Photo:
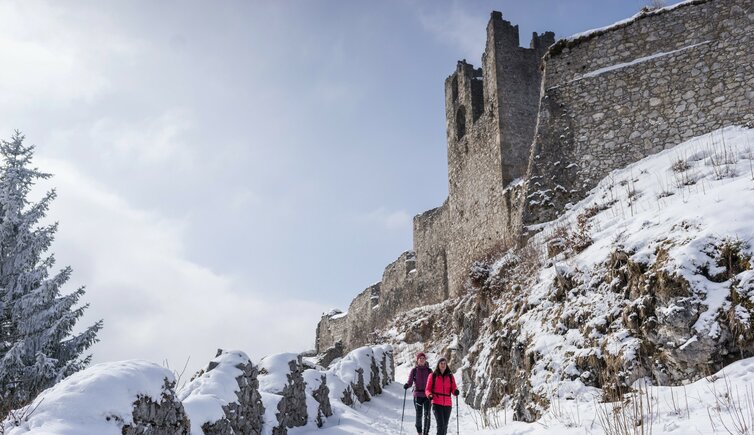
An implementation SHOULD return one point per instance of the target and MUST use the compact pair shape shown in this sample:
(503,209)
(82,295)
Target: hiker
(418,378)
(440,385)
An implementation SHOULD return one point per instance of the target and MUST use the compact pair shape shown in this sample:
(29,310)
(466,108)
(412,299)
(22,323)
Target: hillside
(648,278)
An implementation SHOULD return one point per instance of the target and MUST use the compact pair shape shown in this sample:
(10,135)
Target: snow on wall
(204,397)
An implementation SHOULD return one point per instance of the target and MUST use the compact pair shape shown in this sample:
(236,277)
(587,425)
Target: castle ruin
(534,129)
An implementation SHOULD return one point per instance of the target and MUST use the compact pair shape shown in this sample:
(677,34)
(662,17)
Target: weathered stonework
(322,395)
(491,117)
(615,97)
(534,129)
(166,417)
(245,415)
(291,408)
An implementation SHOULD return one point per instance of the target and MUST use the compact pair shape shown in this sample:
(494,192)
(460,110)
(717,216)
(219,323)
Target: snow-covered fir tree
(37,345)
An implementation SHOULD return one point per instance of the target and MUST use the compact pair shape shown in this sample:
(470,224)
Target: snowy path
(382,415)
(712,405)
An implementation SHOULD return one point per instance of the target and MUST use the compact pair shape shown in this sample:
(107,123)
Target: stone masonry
(613,97)
(534,129)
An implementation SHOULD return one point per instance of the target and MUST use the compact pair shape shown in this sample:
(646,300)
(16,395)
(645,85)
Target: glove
(405,386)
(429,397)
(456,392)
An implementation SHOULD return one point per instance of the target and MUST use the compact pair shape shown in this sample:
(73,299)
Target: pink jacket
(441,388)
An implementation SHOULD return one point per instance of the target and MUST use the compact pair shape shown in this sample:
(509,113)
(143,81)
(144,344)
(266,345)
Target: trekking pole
(458,423)
(403,411)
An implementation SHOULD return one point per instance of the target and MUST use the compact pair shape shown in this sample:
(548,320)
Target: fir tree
(37,345)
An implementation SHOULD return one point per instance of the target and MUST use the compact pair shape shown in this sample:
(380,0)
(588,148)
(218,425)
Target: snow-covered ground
(382,415)
(721,403)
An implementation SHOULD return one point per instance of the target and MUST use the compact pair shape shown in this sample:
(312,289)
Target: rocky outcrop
(316,388)
(281,376)
(362,373)
(228,384)
(651,294)
(331,354)
(158,417)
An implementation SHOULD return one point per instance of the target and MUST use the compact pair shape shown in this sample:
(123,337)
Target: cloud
(157,140)
(49,57)
(158,304)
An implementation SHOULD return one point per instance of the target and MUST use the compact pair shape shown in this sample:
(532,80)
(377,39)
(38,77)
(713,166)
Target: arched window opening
(460,122)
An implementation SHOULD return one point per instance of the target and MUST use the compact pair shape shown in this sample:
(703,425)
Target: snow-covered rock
(281,379)
(317,396)
(224,397)
(115,398)
(228,396)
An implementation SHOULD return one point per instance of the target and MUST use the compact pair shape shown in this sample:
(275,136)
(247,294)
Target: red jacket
(441,388)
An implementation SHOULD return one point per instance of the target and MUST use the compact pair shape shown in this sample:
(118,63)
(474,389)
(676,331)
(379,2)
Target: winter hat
(420,354)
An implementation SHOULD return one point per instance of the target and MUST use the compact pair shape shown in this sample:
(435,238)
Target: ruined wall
(398,289)
(361,316)
(615,96)
(515,72)
(332,327)
(598,102)
(430,245)
(489,141)
(491,118)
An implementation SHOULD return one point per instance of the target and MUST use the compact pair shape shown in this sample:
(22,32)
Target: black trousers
(422,405)
(442,416)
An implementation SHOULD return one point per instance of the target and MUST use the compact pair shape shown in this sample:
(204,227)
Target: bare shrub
(722,158)
(581,239)
(680,165)
(634,415)
(733,410)
(19,416)
(566,416)
(180,382)
(732,256)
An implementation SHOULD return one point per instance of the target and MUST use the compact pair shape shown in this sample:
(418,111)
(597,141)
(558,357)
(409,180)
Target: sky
(228,171)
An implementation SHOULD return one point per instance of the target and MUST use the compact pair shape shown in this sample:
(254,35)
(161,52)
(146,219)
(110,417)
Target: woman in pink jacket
(440,385)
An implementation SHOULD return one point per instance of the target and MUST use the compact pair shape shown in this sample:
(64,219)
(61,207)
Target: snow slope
(654,278)
(92,402)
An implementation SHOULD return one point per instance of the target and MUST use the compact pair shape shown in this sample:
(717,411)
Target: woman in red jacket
(440,385)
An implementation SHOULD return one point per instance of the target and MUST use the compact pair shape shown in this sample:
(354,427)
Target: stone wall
(489,145)
(430,245)
(398,288)
(615,96)
(332,328)
(527,136)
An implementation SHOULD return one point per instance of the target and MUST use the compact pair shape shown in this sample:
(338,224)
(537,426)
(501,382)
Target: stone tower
(491,115)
